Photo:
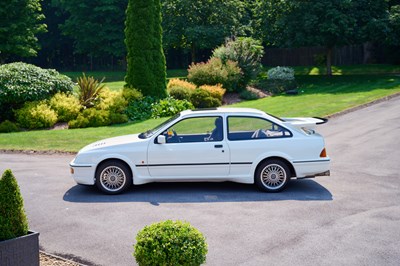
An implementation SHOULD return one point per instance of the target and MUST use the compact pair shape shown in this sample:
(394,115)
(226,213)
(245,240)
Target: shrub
(140,109)
(203,99)
(131,94)
(180,93)
(180,83)
(216,91)
(91,117)
(215,72)
(13,221)
(67,106)
(89,90)
(280,79)
(180,89)
(35,115)
(20,83)
(113,101)
(247,52)
(169,107)
(281,73)
(248,95)
(7,127)
(170,243)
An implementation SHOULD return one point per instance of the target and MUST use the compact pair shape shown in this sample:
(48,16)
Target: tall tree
(20,23)
(143,37)
(325,23)
(394,23)
(97,27)
(201,24)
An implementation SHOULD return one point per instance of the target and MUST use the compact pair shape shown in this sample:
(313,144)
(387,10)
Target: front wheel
(113,177)
(272,176)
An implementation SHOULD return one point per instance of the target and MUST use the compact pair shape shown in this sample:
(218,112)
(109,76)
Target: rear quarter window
(252,128)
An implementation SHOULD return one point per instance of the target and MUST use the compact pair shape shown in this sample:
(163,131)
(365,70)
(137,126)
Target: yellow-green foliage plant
(180,83)
(67,106)
(13,221)
(180,89)
(36,115)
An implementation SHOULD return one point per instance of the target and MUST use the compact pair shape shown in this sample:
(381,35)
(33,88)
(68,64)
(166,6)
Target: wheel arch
(287,162)
(131,172)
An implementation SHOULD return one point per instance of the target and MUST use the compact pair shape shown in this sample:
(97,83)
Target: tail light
(323,153)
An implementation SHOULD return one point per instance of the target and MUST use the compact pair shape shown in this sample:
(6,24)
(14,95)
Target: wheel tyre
(113,177)
(272,176)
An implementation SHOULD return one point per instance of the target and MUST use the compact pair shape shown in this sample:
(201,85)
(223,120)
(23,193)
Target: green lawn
(347,70)
(319,96)
(322,96)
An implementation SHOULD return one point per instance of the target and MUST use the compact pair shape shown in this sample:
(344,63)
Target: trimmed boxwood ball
(170,243)
(13,221)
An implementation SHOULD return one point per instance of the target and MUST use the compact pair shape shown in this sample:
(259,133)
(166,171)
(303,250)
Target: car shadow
(156,193)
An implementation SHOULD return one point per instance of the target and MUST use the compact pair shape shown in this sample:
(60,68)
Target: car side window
(247,128)
(196,129)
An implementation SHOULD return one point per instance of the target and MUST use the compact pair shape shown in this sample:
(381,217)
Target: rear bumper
(305,169)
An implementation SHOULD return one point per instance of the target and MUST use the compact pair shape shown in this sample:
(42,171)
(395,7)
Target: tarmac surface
(349,218)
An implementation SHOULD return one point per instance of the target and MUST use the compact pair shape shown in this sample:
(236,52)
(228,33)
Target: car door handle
(218,146)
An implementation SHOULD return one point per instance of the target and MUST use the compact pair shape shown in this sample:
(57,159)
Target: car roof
(224,110)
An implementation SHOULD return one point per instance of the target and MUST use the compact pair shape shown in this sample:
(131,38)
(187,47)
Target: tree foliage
(20,23)
(201,24)
(324,23)
(97,27)
(143,37)
(394,24)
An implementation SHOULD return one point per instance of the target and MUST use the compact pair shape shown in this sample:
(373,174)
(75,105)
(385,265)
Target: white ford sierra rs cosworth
(223,144)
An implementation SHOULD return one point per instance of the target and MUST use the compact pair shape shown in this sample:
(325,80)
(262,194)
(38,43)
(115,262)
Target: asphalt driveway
(350,218)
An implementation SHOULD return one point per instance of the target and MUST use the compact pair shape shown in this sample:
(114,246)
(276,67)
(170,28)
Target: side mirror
(161,139)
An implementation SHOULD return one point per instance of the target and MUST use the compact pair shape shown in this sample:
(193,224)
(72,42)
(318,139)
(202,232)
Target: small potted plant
(18,245)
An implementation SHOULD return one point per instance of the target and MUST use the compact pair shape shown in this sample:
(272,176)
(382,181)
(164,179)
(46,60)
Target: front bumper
(83,173)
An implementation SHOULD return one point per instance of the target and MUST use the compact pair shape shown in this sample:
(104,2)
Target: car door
(193,149)
(251,137)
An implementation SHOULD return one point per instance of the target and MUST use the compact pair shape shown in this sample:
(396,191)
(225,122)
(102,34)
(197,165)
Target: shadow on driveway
(156,193)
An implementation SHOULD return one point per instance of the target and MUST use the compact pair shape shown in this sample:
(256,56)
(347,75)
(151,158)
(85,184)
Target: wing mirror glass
(161,139)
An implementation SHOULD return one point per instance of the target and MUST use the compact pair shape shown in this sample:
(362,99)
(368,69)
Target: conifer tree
(13,221)
(143,38)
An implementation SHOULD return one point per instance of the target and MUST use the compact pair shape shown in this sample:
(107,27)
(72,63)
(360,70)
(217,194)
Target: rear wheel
(113,177)
(272,175)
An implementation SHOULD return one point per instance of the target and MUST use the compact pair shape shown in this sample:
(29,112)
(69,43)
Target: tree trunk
(329,61)
(193,51)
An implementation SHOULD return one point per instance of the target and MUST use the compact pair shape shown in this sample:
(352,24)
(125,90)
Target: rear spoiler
(304,122)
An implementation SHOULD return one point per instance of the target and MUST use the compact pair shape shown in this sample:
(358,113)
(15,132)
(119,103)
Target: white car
(222,144)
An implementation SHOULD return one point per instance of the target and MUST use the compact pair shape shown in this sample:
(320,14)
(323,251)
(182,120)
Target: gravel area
(50,260)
